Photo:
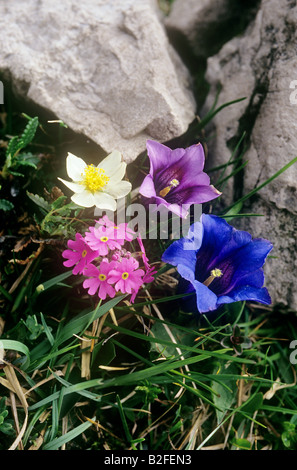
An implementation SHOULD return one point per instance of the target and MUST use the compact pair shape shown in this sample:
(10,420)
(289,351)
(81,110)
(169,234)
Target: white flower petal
(84,199)
(111,163)
(118,173)
(75,187)
(105,201)
(75,166)
(118,190)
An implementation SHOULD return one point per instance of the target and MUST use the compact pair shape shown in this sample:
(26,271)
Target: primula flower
(98,280)
(149,270)
(97,185)
(176,179)
(121,231)
(102,239)
(108,266)
(220,264)
(79,254)
(126,276)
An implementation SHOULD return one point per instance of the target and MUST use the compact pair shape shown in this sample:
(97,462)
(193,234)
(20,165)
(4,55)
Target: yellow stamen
(173,183)
(104,239)
(84,253)
(102,277)
(213,274)
(125,275)
(94,179)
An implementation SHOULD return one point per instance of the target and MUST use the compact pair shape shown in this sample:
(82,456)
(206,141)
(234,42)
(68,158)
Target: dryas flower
(98,185)
(219,264)
(176,178)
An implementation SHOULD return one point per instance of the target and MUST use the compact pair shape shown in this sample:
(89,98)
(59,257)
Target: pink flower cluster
(108,267)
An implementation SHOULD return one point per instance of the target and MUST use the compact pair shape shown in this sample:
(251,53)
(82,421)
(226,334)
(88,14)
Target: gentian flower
(220,264)
(98,280)
(79,254)
(97,185)
(176,178)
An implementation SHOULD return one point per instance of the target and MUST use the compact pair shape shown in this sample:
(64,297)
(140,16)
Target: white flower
(97,186)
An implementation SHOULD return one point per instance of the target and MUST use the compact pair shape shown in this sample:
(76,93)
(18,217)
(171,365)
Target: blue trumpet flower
(220,264)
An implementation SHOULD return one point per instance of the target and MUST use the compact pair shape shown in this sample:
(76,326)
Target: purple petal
(147,188)
(161,156)
(193,195)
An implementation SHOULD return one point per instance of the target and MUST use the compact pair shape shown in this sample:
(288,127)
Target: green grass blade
(69,436)
(255,190)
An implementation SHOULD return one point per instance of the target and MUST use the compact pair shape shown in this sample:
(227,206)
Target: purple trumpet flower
(176,178)
(219,264)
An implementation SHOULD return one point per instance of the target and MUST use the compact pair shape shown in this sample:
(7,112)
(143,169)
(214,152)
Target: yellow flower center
(94,179)
(84,253)
(104,239)
(125,275)
(173,184)
(213,274)
(102,277)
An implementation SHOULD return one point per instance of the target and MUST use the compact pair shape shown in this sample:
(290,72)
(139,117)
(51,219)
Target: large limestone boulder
(259,64)
(105,68)
(207,24)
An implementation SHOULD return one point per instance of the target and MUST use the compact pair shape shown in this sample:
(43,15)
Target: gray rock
(207,24)
(104,67)
(260,65)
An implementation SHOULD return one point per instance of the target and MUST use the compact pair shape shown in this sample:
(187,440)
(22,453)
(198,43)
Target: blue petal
(221,239)
(176,255)
(253,279)
(251,257)
(246,293)
(206,300)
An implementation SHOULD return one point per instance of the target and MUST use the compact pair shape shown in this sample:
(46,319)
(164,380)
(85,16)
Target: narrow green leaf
(9,344)
(255,190)
(69,436)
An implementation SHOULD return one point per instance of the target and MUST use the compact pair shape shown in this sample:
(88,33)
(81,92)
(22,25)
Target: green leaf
(58,202)
(6,205)
(40,201)
(242,444)
(11,150)
(225,391)
(29,133)
(8,344)
(69,436)
(253,404)
(27,159)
